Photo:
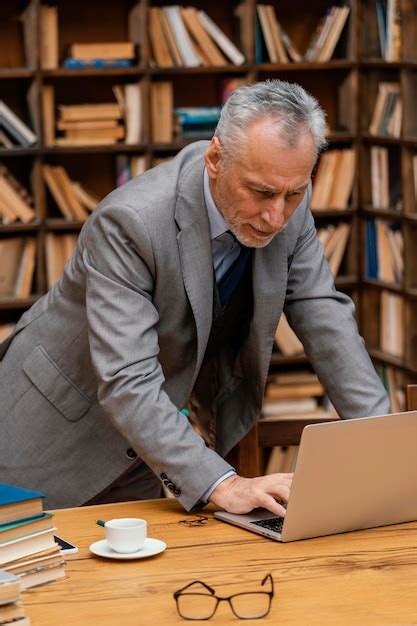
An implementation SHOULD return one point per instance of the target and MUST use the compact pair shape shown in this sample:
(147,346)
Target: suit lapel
(195,251)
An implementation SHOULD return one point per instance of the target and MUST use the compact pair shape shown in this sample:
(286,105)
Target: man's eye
(264,193)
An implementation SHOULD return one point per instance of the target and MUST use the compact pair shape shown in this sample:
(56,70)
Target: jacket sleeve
(123,337)
(323,320)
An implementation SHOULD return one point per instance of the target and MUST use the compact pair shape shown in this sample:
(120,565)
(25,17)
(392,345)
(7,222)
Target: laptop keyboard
(274,523)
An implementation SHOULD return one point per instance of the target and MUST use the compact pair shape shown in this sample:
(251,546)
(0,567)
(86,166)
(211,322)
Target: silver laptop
(350,475)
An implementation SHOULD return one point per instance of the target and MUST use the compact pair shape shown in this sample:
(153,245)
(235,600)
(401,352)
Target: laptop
(350,475)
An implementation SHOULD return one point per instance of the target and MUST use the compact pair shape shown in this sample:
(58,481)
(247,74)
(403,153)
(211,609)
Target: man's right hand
(241,495)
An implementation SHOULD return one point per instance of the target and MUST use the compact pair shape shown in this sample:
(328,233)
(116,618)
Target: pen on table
(100,522)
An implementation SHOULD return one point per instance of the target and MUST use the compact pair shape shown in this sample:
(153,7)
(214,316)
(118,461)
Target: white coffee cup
(126,534)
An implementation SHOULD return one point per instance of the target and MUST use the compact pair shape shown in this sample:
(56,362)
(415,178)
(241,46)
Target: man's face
(260,187)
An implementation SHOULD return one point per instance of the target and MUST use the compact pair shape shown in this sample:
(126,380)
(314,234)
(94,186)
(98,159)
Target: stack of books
(188,37)
(88,124)
(27,544)
(12,130)
(100,55)
(72,199)
(16,203)
(196,122)
(11,608)
(17,265)
(94,124)
(290,396)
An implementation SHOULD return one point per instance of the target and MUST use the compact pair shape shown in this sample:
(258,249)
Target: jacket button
(131,454)
(164,476)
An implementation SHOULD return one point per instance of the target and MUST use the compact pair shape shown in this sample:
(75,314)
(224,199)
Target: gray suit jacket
(105,360)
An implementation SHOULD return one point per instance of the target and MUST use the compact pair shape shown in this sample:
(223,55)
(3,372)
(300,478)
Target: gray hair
(290,107)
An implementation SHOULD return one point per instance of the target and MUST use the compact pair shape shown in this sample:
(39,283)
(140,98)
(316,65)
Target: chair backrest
(411,397)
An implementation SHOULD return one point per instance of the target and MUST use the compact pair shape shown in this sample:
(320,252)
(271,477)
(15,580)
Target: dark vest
(229,329)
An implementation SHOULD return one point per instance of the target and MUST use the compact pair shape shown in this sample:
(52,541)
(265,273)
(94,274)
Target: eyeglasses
(202,604)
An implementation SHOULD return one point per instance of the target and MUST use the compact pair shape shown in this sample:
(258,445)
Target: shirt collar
(218,225)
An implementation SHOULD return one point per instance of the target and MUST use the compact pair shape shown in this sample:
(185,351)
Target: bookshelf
(346,85)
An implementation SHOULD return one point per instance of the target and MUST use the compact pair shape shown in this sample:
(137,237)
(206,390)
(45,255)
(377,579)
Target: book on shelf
(286,339)
(334,240)
(62,190)
(333,181)
(188,53)
(393,40)
(161,110)
(89,111)
(28,549)
(48,40)
(392,379)
(225,44)
(196,122)
(211,53)
(106,50)
(129,99)
(386,116)
(392,324)
(5,331)
(16,203)
(15,128)
(48,114)
(59,249)
(127,167)
(17,264)
(29,21)
(414,165)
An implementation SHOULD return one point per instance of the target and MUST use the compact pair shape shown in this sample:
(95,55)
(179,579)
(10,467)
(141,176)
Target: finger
(269,503)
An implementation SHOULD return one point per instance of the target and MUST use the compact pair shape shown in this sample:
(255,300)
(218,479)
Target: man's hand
(242,495)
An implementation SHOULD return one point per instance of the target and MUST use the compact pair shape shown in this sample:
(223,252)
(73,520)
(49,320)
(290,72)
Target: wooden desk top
(365,577)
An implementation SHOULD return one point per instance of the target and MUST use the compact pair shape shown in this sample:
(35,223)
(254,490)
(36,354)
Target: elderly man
(171,300)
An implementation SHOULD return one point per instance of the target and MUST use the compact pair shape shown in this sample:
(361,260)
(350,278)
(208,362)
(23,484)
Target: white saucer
(150,548)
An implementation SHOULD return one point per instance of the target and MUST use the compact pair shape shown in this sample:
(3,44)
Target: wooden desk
(366,577)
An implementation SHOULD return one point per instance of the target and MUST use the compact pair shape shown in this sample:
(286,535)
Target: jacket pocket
(51,381)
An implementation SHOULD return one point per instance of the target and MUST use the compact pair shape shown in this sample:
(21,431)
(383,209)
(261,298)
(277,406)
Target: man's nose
(274,215)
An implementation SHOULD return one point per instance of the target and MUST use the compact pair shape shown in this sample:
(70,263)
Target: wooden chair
(411,398)
(246,456)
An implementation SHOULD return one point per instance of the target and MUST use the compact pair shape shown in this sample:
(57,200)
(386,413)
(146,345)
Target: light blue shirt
(225,250)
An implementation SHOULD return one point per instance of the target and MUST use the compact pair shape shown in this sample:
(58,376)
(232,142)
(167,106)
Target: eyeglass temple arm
(195,582)
(272,581)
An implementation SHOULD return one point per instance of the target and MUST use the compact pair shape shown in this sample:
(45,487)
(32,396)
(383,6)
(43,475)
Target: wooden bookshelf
(346,86)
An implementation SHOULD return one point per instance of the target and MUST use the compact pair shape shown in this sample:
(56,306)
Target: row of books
(334,240)
(71,198)
(333,180)
(280,48)
(188,37)
(16,203)
(13,131)
(385,178)
(384,251)
(292,395)
(12,610)
(27,543)
(387,113)
(392,323)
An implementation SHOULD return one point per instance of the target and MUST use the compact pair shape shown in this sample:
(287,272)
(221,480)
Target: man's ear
(212,158)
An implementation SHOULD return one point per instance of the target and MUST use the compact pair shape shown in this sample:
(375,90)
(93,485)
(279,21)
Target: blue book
(371,251)
(17,503)
(80,64)
(197,115)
